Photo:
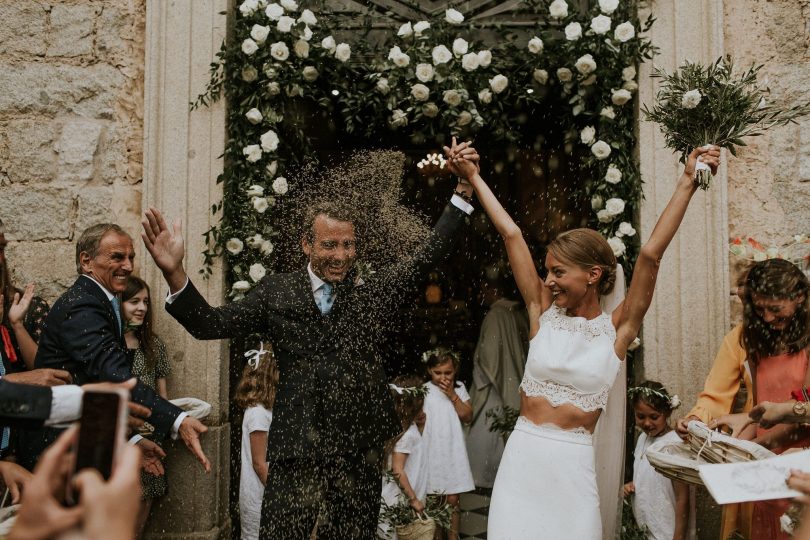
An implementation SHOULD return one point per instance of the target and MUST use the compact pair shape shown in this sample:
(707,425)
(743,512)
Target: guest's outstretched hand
(800,481)
(709,154)
(14,478)
(768,414)
(165,246)
(153,454)
(40,377)
(19,305)
(736,422)
(190,431)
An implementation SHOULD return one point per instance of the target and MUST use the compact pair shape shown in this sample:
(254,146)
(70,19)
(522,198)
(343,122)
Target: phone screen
(97,432)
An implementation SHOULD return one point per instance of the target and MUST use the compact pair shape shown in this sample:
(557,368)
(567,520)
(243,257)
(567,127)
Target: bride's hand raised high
(462,160)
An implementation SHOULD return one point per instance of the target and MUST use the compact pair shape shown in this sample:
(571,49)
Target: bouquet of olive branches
(700,105)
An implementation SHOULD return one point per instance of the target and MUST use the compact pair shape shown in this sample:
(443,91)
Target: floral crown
(441,351)
(413,391)
(646,392)
(751,250)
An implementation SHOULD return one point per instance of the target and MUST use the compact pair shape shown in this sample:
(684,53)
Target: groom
(333,410)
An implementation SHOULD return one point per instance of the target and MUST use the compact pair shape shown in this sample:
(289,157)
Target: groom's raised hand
(166,247)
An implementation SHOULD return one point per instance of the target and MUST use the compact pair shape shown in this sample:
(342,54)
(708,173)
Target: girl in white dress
(255,393)
(447,405)
(546,483)
(659,504)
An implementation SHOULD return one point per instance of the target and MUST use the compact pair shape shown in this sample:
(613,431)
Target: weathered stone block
(71,30)
(29,155)
(50,265)
(77,149)
(94,206)
(35,214)
(23,29)
(113,33)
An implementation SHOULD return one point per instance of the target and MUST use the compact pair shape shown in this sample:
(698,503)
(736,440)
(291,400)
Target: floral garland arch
(429,79)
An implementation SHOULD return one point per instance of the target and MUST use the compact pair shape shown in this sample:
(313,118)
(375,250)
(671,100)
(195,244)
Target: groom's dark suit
(333,409)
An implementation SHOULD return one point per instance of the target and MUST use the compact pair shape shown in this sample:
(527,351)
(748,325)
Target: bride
(546,483)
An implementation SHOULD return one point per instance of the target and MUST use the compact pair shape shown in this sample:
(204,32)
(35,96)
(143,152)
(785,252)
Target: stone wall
(71,128)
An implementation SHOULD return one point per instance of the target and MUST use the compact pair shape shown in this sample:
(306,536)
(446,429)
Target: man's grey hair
(330,209)
(90,240)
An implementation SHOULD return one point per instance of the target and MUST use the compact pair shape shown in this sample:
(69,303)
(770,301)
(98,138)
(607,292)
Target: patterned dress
(153,486)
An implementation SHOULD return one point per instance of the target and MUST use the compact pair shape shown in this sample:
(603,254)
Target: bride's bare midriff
(539,411)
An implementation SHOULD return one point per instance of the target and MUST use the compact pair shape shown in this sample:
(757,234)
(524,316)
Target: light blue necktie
(4,437)
(326,299)
(117,309)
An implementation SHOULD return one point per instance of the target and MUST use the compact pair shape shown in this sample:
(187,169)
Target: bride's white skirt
(545,487)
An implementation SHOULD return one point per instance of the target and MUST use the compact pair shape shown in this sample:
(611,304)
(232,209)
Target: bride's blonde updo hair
(587,248)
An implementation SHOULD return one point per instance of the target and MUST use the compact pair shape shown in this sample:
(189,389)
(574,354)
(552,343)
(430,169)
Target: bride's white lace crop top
(572,360)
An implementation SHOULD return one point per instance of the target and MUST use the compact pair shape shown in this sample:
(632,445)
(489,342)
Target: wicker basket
(675,460)
(421,528)
(715,447)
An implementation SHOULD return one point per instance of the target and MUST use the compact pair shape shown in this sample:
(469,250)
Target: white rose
(424,72)
(289,5)
(451,97)
(405,30)
(234,246)
(266,248)
(608,112)
(301,49)
(629,73)
(589,80)
(343,52)
(280,185)
(402,60)
(273,89)
(248,7)
(460,46)
(484,58)
(249,74)
(420,27)
(558,9)
(485,96)
(498,83)
(259,33)
(625,229)
(329,44)
(535,45)
(470,61)
(613,175)
(430,110)
(249,47)
(464,118)
(253,152)
(382,86)
(285,24)
(274,11)
(307,35)
(254,191)
(585,64)
(617,246)
(691,99)
(600,149)
(254,116)
(630,86)
(271,168)
(453,17)
(441,55)
(573,31)
(577,109)
(310,74)
(399,118)
(308,18)
(600,24)
(269,141)
(420,92)
(597,202)
(255,241)
(260,204)
(587,135)
(615,206)
(564,74)
(624,32)
(540,75)
(608,6)
(620,97)
(257,272)
(279,51)
(604,216)
(240,286)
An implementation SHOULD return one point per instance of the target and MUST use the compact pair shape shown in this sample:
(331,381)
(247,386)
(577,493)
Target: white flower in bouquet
(308,18)
(464,118)
(573,31)
(285,24)
(558,9)
(248,7)
(279,51)
(540,75)
(608,6)
(257,271)
(608,112)
(424,72)
(252,152)
(601,24)
(577,109)
(274,11)
(240,286)
(498,83)
(269,141)
(691,99)
(600,149)
(405,30)
(328,43)
(273,89)
(629,73)
(382,86)
(249,74)
(485,96)
(470,61)
(484,58)
(624,32)
(254,116)
(430,109)
(617,246)
(620,96)
(564,74)
(441,55)
(310,74)
(588,81)
(399,58)
(587,135)
(398,118)
(255,241)
(234,246)
(630,86)
(301,49)
(613,175)
(604,216)
(259,33)
(615,206)
(460,46)
(249,47)
(266,248)
(420,92)
(625,229)
(280,185)
(585,64)
(674,400)
(597,202)
(289,5)
(452,98)
(260,204)
(535,45)
(254,191)
(420,27)
(307,35)
(453,17)
(343,52)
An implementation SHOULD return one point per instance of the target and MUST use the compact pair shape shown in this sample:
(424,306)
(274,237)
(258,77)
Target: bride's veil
(610,433)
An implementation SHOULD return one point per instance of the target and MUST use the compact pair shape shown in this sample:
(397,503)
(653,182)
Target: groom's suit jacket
(332,396)
(23,405)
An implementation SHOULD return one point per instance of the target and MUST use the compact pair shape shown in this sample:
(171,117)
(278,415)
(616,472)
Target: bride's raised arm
(627,319)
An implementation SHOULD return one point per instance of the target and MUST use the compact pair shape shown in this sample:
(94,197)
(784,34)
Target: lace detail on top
(558,394)
(556,319)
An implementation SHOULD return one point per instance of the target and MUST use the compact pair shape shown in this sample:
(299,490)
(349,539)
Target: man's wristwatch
(800,409)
